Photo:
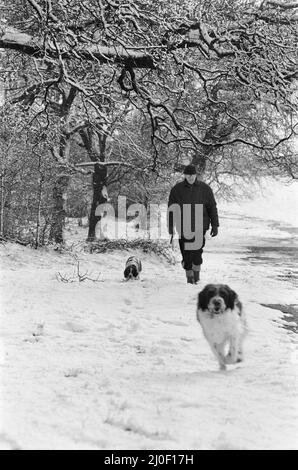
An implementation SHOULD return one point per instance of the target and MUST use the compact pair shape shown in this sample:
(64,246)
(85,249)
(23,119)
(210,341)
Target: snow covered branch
(110,163)
(20,42)
(282,5)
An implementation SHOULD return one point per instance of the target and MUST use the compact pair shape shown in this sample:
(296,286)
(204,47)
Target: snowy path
(125,366)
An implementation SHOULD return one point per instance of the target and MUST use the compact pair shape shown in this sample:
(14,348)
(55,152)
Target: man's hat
(190,170)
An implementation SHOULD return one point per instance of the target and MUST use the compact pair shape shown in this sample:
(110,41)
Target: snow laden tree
(216,80)
(25,183)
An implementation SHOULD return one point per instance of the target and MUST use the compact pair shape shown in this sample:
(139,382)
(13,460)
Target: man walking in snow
(197,209)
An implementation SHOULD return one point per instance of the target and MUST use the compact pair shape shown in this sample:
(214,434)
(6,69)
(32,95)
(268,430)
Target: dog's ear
(240,308)
(134,271)
(203,299)
(126,271)
(232,296)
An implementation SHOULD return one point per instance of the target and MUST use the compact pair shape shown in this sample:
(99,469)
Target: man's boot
(189,276)
(196,272)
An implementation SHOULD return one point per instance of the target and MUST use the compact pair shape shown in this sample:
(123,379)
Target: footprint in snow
(176,323)
(125,310)
(184,338)
(35,338)
(140,349)
(74,327)
(73,373)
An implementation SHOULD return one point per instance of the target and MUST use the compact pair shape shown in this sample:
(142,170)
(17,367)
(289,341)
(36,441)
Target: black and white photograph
(148,227)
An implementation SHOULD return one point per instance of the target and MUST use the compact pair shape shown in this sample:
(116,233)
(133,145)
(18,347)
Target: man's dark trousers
(191,257)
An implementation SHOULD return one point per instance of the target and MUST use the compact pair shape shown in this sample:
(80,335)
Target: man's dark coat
(197,193)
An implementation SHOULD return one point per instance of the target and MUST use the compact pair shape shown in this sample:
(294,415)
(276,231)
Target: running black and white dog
(133,267)
(222,318)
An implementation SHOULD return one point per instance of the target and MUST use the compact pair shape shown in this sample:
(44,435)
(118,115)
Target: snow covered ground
(115,365)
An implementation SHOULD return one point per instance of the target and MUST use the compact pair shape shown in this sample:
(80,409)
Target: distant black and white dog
(133,267)
(222,318)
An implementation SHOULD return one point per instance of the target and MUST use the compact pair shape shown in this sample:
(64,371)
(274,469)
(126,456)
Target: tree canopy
(208,74)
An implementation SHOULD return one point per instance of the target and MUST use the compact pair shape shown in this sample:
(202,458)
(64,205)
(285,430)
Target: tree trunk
(95,144)
(37,236)
(202,155)
(59,209)
(200,159)
(98,182)
(38,217)
(2,206)
(61,154)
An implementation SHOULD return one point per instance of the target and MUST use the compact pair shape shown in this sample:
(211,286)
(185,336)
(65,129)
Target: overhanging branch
(111,163)
(25,44)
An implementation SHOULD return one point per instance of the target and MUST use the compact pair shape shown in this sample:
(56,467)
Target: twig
(78,276)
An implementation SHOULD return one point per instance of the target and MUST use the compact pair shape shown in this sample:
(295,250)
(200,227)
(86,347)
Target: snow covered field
(115,365)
